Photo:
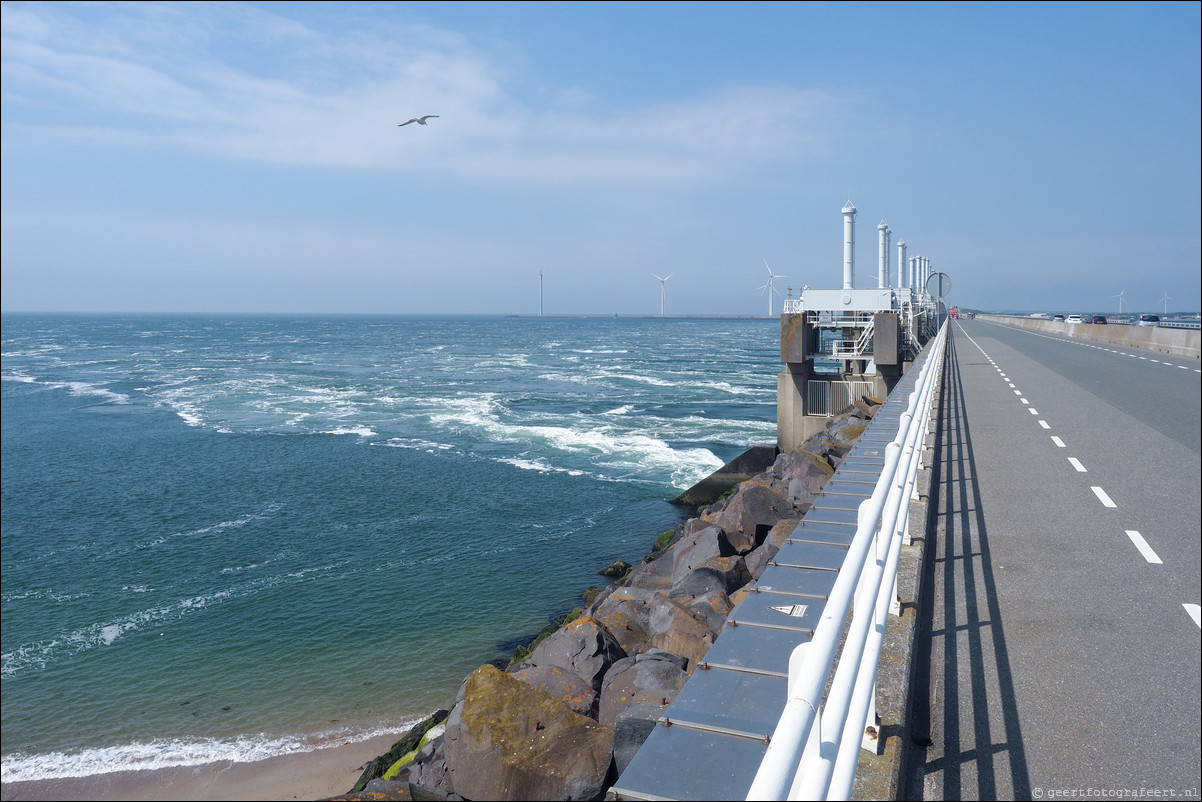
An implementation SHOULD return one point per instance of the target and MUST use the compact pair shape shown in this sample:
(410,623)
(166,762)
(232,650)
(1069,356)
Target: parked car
(1073,319)
(1148,320)
(1097,319)
(1059,318)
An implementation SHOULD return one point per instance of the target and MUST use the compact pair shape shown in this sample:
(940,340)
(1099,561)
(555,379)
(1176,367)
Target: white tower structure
(849,246)
(883,232)
(901,263)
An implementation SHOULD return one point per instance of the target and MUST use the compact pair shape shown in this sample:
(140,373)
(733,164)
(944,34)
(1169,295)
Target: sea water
(239,537)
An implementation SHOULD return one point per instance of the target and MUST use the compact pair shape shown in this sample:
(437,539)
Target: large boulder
(623,619)
(632,727)
(564,685)
(693,549)
(807,474)
(675,628)
(583,647)
(714,607)
(763,554)
(650,574)
(402,750)
(749,514)
(508,740)
(716,574)
(655,675)
(636,692)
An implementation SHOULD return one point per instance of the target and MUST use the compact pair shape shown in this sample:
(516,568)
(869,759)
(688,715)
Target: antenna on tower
(663,291)
(768,288)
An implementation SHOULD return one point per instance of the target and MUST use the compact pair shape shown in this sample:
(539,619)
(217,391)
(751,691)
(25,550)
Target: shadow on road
(966,743)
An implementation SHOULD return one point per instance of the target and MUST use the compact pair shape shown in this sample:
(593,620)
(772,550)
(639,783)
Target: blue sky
(246,157)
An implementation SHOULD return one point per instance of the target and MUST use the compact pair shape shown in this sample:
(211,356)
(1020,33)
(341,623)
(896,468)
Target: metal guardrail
(814,748)
(825,397)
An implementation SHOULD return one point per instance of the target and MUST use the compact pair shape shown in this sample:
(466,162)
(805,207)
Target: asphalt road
(1060,648)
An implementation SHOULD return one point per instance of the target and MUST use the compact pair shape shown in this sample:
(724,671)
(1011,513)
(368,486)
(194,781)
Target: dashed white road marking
(1105,499)
(1076,463)
(1032,410)
(1017,392)
(1044,424)
(1059,443)
(1025,401)
(1195,612)
(1143,547)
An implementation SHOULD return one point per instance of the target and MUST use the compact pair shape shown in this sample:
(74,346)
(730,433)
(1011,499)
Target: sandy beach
(320,774)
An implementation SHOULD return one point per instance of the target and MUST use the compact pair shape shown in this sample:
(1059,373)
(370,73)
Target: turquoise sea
(238,537)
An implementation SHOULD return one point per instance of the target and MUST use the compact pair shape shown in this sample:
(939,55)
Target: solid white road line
(1143,547)
(1105,499)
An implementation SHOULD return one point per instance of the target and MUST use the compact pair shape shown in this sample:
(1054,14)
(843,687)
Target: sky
(249,158)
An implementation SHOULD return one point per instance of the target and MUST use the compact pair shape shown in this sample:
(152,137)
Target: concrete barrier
(1176,342)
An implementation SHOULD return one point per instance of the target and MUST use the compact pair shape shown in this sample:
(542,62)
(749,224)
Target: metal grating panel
(783,579)
(823,533)
(776,611)
(687,764)
(735,702)
(752,648)
(811,555)
(831,515)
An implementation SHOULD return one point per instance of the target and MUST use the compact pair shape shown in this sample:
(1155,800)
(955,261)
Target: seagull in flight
(418,120)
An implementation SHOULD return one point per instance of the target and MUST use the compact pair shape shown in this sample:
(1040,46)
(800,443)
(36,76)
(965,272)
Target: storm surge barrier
(762,717)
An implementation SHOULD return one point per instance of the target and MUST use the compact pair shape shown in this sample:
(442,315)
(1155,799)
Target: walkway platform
(710,741)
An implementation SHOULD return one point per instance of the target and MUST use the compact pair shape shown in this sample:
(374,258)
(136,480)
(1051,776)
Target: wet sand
(320,774)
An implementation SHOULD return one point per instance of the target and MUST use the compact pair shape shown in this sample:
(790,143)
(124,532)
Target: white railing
(814,748)
(854,349)
(826,397)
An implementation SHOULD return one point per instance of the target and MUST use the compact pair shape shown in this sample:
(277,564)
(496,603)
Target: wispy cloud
(173,76)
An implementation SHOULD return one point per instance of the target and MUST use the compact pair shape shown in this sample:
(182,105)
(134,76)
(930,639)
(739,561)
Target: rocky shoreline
(564,718)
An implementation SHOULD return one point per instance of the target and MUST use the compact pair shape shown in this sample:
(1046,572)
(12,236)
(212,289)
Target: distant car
(1097,319)
(1058,317)
(1073,319)
(1148,320)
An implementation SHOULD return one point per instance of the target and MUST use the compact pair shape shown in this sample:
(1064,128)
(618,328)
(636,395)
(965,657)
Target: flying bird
(418,120)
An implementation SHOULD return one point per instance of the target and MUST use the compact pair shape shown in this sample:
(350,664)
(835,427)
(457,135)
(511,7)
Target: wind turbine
(768,288)
(1166,300)
(663,291)
(1120,297)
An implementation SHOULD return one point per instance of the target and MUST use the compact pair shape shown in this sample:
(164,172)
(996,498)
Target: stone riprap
(562,722)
